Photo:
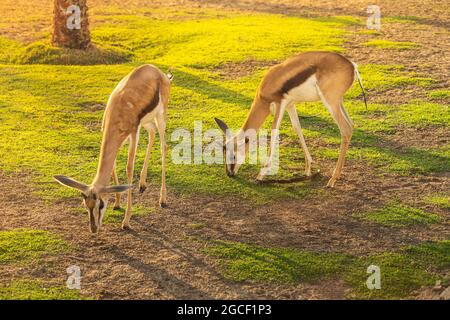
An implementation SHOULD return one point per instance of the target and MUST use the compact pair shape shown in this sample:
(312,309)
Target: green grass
(23,246)
(382,77)
(434,255)
(399,215)
(242,262)
(400,276)
(37,290)
(116,216)
(199,43)
(403,19)
(439,94)
(196,226)
(386,44)
(56,110)
(402,272)
(51,110)
(441,201)
(43,53)
(57,107)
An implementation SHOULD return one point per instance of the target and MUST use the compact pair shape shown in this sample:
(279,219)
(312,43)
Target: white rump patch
(148,121)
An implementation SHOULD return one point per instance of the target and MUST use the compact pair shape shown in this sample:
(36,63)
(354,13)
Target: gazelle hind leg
(144,172)
(161,125)
(116,182)
(340,116)
(134,137)
(347,117)
(292,111)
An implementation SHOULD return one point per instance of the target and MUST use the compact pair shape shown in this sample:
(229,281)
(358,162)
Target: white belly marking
(306,92)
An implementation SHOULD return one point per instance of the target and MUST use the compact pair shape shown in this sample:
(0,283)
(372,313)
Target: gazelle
(307,77)
(140,99)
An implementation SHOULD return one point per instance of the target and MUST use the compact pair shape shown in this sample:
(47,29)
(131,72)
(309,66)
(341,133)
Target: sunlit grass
(401,272)
(441,200)
(19,246)
(398,215)
(52,123)
(439,94)
(386,44)
(25,289)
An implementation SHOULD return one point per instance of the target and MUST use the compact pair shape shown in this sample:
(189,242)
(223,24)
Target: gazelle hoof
(126,226)
(142,188)
(116,208)
(163,204)
(331,183)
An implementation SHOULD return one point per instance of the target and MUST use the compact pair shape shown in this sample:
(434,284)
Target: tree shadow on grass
(171,285)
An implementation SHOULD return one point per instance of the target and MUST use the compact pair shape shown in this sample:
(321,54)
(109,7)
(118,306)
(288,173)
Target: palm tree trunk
(71,24)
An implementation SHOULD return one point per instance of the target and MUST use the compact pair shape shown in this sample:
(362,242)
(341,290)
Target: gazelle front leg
(161,125)
(292,111)
(143,177)
(130,168)
(279,112)
(116,182)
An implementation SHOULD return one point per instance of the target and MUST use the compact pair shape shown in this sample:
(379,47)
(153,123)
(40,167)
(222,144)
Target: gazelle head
(92,199)
(234,149)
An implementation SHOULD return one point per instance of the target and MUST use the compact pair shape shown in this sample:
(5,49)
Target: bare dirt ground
(160,258)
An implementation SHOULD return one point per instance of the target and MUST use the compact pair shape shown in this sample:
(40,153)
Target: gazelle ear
(222,125)
(114,189)
(69,182)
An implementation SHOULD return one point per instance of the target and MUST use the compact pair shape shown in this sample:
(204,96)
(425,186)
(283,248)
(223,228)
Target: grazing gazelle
(140,99)
(307,77)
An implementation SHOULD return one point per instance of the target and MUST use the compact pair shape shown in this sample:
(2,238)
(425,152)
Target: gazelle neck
(108,153)
(258,113)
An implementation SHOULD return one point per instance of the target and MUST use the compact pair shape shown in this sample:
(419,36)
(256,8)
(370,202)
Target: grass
(400,276)
(24,246)
(36,290)
(242,262)
(439,94)
(442,201)
(404,19)
(52,100)
(386,44)
(44,53)
(66,138)
(398,215)
(58,108)
(383,77)
(402,272)
(196,226)
(116,216)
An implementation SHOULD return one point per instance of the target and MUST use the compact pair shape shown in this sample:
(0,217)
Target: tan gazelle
(139,100)
(307,77)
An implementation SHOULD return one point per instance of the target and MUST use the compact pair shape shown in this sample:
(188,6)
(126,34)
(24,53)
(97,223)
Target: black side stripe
(151,105)
(298,79)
